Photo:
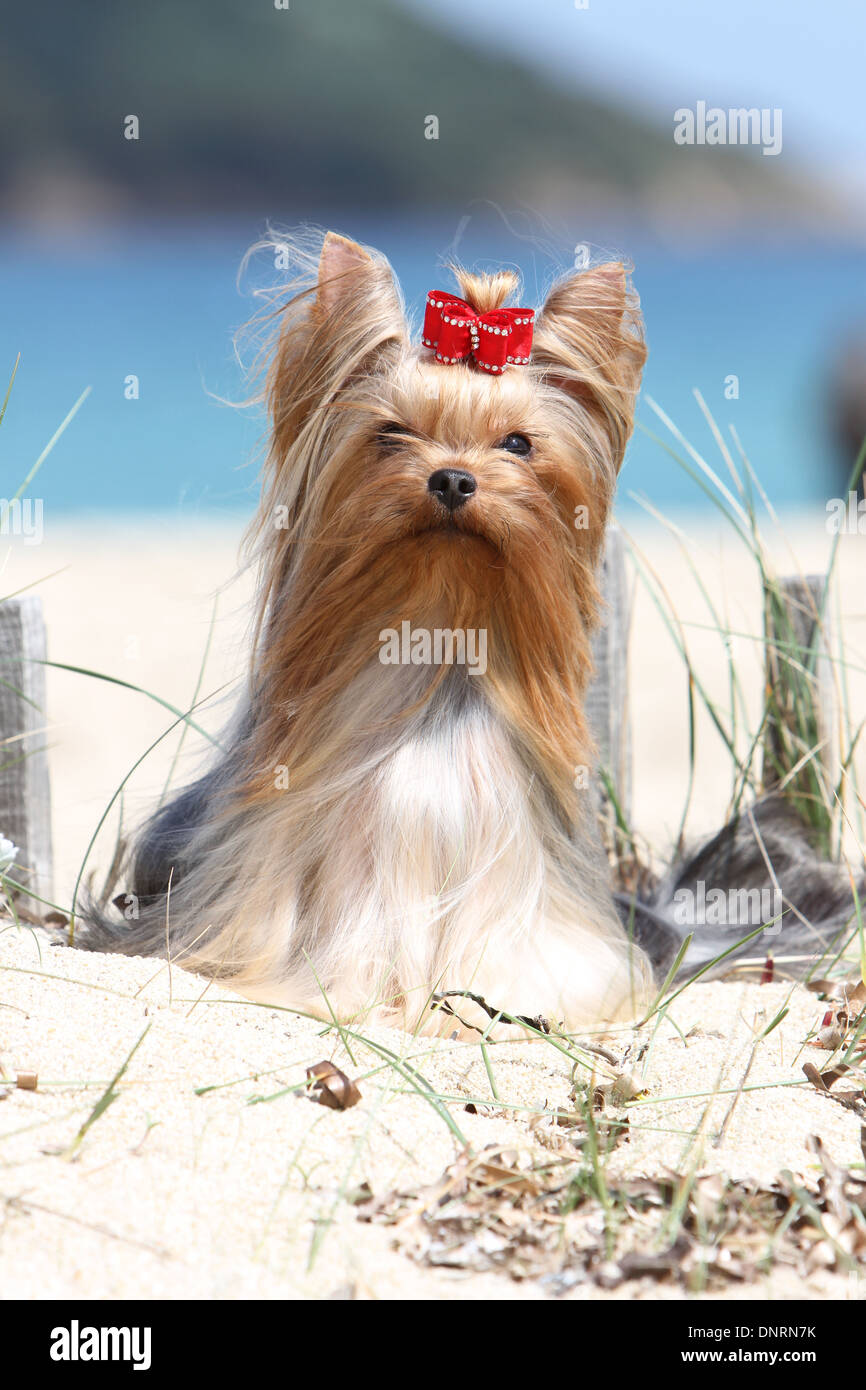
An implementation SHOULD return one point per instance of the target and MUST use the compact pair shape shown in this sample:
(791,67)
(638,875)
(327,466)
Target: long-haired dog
(383,828)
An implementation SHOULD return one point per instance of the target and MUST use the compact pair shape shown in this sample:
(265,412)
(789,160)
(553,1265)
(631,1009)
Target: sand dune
(184,1189)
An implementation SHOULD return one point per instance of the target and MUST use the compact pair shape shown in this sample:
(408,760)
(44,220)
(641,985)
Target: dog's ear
(343,265)
(349,322)
(358,313)
(588,338)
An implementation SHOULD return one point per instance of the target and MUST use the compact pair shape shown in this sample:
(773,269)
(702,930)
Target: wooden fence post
(793,630)
(25,799)
(607,699)
(800,697)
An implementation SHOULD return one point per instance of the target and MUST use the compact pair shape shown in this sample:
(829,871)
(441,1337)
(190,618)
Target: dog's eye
(385,435)
(516,444)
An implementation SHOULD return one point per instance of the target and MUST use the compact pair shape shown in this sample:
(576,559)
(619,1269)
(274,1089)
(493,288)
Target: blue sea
(161,304)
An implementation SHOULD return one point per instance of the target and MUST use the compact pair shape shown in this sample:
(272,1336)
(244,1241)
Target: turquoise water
(163,305)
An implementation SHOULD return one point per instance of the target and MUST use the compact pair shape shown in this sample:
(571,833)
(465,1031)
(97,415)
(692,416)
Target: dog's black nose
(452,486)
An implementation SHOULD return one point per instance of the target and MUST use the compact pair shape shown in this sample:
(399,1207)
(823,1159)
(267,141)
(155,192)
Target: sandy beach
(209,1178)
(184,1188)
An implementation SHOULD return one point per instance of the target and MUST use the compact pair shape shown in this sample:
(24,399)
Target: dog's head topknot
(485,291)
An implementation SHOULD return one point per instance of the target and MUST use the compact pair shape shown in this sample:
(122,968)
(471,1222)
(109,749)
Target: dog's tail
(165,855)
(159,862)
(754,898)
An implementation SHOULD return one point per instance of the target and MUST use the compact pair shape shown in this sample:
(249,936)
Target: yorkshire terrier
(387,827)
(390,824)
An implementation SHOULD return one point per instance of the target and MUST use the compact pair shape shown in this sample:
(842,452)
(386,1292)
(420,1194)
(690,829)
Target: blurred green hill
(245,107)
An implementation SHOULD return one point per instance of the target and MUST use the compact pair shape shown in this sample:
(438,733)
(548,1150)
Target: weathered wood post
(25,800)
(607,700)
(800,699)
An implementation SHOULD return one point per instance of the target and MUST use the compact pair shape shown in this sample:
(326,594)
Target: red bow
(455,330)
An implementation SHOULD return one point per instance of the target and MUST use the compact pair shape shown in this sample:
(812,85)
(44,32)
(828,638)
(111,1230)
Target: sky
(803,56)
